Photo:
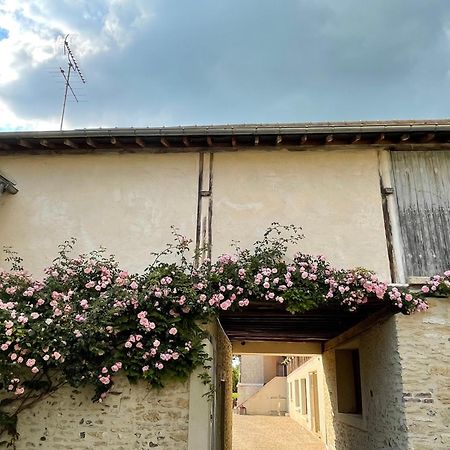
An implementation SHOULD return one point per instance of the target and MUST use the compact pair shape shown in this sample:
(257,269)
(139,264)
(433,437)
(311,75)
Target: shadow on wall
(364,379)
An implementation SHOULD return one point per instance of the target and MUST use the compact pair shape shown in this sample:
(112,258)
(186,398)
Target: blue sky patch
(3,33)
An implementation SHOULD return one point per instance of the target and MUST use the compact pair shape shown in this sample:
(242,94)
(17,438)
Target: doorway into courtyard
(281,371)
(276,402)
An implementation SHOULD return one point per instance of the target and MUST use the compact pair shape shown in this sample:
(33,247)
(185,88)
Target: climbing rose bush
(438,284)
(89,320)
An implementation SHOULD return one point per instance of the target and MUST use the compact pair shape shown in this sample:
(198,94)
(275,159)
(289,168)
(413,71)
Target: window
(348,379)
(297,394)
(304,396)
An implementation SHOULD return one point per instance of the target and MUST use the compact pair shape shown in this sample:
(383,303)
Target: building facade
(374,195)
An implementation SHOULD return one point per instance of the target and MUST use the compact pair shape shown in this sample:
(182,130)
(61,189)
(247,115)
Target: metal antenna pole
(72,65)
(65,94)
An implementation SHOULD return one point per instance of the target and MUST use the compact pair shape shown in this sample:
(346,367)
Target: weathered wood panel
(422,187)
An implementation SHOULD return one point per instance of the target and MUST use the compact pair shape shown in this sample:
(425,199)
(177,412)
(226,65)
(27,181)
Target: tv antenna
(72,66)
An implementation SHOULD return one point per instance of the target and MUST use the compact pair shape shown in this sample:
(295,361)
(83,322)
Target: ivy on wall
(89,320)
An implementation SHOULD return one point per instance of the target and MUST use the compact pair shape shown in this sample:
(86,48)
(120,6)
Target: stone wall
(424,346)
(224,387)
(132,417)
(382,424)
(405,378)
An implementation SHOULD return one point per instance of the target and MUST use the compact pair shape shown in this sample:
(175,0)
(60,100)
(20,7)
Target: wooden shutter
(422,188)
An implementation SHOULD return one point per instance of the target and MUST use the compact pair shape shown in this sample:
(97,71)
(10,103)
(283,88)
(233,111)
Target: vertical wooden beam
(203,241)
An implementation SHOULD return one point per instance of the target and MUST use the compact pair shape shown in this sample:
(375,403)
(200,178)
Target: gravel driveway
(272,433)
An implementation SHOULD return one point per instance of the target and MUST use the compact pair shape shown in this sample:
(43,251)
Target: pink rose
(173,331)
(104,380)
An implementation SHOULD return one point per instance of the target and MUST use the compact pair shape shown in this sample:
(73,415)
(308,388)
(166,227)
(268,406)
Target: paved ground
(272,433)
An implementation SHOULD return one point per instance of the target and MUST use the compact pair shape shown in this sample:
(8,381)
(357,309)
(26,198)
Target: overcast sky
(180,62)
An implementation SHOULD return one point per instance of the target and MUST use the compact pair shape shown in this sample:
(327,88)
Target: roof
(391,134)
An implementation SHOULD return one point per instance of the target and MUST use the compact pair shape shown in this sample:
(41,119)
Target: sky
(170,62)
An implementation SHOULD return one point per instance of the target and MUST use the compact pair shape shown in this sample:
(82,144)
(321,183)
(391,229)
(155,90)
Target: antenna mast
(72,66)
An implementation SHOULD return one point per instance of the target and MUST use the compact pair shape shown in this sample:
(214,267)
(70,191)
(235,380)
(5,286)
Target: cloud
(155,62)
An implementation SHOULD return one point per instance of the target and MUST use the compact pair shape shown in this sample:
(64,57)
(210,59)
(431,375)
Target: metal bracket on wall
(7,186)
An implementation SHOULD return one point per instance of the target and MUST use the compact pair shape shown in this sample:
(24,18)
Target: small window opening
(348,378)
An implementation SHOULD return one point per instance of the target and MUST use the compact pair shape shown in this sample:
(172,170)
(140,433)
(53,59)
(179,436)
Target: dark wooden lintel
(359,328)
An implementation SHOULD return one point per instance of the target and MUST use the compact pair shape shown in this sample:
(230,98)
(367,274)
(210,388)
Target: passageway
(272,433)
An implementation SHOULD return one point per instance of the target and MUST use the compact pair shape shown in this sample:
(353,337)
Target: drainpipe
(7,186)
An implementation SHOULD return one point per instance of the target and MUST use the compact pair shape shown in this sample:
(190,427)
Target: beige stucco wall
(251,376)
(315,364)
(270,400)
(333,195)
(125,202)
